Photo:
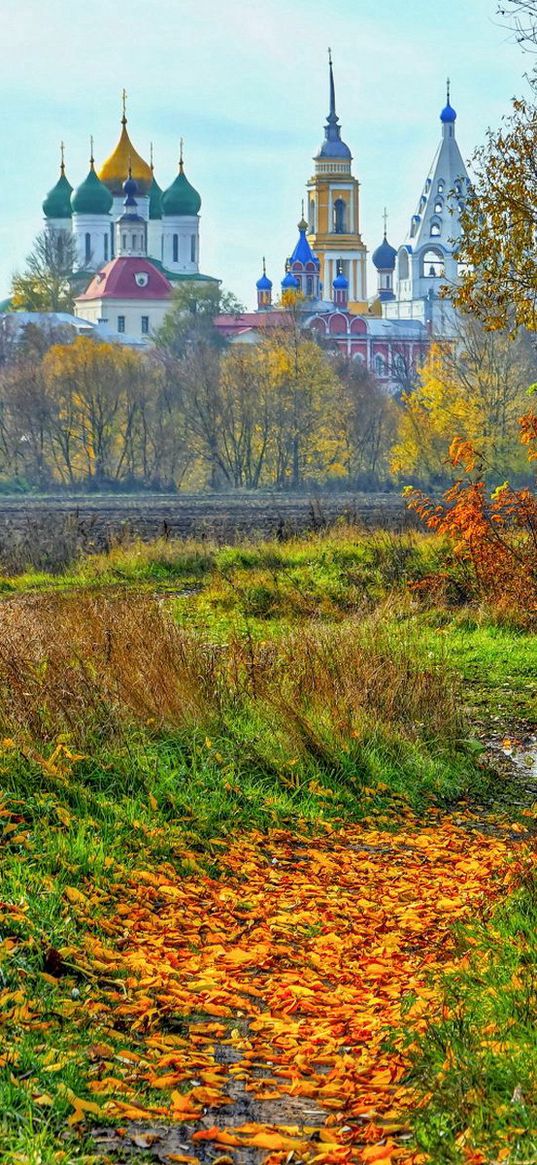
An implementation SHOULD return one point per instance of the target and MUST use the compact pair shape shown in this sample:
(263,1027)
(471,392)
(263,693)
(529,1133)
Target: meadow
(192,737)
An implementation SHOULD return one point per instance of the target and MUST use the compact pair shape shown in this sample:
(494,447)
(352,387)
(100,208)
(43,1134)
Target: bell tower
(334,212)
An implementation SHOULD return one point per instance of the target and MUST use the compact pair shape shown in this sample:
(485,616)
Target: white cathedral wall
(107,313)
(97,226)
(154,239)
(185,227)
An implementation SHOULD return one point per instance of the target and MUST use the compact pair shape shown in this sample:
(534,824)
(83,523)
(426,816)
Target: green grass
(278,737)
(478,1065)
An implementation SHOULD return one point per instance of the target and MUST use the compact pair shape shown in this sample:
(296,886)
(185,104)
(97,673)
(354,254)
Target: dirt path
(266,1006)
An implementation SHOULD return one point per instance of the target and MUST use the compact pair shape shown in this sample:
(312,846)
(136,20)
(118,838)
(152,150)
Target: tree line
(195,412)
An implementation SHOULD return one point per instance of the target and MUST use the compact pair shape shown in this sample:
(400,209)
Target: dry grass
(89,662)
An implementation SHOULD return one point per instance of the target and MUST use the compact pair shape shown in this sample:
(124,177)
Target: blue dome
(340,283)
(384,257)
(290,281)
(264,284)
(448,114)
(130,186)
(334,148)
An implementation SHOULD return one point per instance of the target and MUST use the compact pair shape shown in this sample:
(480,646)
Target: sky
(246,84)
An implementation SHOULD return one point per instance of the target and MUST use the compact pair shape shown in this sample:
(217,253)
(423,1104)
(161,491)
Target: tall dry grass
(87,663)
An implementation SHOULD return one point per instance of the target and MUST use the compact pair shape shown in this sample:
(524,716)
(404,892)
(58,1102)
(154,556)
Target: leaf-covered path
(269,1005)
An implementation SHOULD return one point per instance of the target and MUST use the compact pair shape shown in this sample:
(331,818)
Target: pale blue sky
(245,83)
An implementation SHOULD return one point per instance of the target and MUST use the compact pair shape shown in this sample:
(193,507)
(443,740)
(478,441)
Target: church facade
(133,240)
(390,331)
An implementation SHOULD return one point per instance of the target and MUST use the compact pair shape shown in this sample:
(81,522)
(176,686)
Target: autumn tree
(370,422)
(94,389)
(475,388)
(46,284)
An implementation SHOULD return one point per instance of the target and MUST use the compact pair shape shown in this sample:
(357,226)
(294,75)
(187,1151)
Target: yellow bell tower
(334,213)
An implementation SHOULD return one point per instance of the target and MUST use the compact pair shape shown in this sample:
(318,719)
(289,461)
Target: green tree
(190,318)
(47,282)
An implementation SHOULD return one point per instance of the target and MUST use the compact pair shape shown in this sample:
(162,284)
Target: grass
(478,1065)
(156,699)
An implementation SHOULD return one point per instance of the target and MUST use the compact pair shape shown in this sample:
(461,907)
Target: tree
(497,257)
(190,318)
(371,419)
(247,400)
(522,15)
(475,388)
(47,281)
(94,390)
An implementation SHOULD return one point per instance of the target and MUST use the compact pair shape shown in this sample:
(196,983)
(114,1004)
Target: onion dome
(155,200)
(333,147)
(303,252)
(340,283)
(384,257)
(112,172)
(57,203)
(290,282)
(448,114)
(180,198)
(92,196)
(264,283)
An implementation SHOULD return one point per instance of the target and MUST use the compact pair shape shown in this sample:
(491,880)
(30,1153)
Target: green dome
(180,198)
(57,204)
(92,196)
(155,197)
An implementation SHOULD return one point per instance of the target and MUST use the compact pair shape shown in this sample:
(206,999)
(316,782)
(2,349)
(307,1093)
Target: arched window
(124,242)
(433,265)
(380,366)
(403,265)
(192,248)
(309,285)
(436,230)
(439,206)
(339,216)
(106,248)
(458,188)
(176,248)
(134,241)
(112,247)
(441,186)
(312,216)
(414,225)
(87,241)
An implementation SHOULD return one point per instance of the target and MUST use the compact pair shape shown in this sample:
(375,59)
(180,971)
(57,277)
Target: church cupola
(57,205)
(181,205)
(304,265)
(131,227)
(448,116)
(112,172)
(91,204)
(384,259)
(264,290)
(340,288)
(290,282)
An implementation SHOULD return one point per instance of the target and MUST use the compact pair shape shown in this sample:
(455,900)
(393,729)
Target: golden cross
(385,217)
(124,100)
(92,159)
(181,144)
(151,155)
(62,153)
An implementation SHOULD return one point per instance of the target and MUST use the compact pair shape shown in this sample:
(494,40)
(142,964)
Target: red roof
(128,278)
(261,321)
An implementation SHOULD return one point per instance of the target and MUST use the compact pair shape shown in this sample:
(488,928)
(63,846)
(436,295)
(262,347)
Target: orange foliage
(277,984)
(495,533)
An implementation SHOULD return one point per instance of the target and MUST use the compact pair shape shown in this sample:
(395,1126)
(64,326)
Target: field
(50,531)
(267,887)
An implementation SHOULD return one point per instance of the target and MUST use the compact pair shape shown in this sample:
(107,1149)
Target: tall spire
(124,103)
(332,116)
(333,147)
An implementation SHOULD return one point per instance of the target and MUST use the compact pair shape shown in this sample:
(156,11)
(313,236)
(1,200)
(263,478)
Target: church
(390,331)
(134,241)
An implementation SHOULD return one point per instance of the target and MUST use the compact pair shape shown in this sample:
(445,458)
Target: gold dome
(115,170)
